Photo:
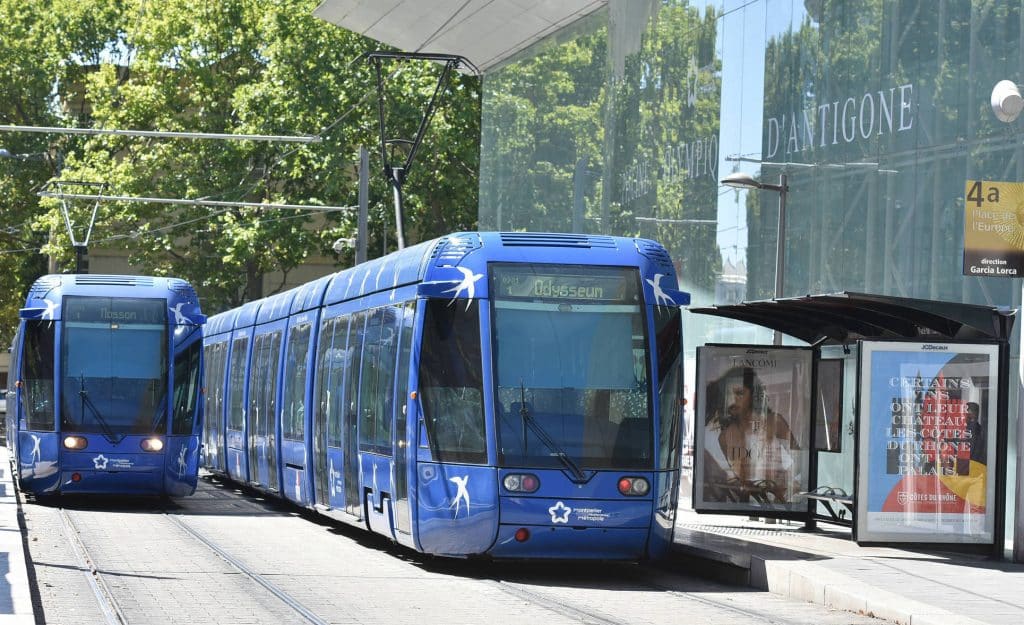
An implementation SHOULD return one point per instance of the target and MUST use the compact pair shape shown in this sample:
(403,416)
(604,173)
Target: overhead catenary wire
(166,134)
(141,234)
(196,202)
(319,137)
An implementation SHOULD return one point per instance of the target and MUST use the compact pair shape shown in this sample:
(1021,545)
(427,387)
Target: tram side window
(255,385)
(213,381)
(348,406)
(236,409)
(270,399)
(294,421)
(669,339)
(331,362)
(37,375)
(186,389)
(263,384)
(450,382)
(377,377)
(407,313)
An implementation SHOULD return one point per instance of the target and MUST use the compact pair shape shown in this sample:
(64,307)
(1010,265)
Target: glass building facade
(877,111)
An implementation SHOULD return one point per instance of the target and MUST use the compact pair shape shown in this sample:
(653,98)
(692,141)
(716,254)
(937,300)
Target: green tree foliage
(232,66)
(31,52)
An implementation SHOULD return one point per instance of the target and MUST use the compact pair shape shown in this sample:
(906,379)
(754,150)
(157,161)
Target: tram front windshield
(114,365)
(571,367)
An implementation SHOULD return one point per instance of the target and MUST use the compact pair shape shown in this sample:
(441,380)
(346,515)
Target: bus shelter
(892,419)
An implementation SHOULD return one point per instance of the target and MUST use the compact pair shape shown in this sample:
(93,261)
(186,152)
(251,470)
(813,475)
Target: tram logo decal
(182,463)
(51,311)
(179,317)
(659,294)
(462,494)
(560,513)
(103,463)
(468,284)
(37,454)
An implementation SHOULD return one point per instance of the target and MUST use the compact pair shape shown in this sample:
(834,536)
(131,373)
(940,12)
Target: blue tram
(507,395)
(105,384)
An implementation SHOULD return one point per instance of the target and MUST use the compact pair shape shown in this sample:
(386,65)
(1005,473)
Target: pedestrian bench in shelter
(837,502)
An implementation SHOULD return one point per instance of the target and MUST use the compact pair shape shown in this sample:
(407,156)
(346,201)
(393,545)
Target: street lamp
(743,180)
(5,153)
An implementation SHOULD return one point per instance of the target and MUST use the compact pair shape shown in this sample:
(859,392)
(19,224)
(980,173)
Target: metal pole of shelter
(780,244)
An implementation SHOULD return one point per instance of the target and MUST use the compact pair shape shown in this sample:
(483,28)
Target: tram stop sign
(993,229)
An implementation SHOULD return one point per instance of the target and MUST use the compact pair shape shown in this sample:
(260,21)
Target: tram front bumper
(538,527)
(572,543)
(108,473)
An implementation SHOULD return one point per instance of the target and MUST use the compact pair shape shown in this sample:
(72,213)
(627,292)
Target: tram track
(256,577)
(108,605)
(557,606)
(106,598)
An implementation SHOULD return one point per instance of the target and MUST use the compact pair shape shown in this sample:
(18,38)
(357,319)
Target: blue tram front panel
(108,385)
(104,467)
(463,510)
(458,508)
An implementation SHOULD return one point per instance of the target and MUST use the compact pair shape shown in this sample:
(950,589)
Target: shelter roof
(486,32)
(845,317)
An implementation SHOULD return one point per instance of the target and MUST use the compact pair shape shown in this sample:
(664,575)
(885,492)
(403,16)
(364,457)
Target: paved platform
(15,593)
(824,566)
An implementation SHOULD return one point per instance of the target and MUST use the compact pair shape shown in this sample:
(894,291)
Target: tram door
(239,363)
(356,336)
(322,402)
(262,408)
(333,362)
(403,447)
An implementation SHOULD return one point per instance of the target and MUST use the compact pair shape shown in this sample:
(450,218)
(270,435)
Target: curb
(15,592)
(796,575)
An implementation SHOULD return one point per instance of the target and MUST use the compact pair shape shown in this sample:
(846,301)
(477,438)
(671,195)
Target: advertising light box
(752,453)
(927,440)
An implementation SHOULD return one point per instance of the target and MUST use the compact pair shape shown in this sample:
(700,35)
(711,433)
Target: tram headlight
(521,483)
(152,444)
(634,486)
(75,442)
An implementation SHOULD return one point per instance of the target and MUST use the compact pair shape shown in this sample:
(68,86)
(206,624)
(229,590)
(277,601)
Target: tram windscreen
(114,365)
(571,367)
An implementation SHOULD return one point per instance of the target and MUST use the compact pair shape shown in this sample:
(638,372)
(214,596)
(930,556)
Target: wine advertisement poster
(927,437)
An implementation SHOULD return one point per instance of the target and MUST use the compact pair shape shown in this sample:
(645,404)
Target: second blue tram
(104,386)
(509,395)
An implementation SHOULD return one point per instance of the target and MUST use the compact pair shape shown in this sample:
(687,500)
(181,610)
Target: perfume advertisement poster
(752,453)
(927,435)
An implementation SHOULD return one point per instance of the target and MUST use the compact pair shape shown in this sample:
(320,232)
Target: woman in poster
(749,447)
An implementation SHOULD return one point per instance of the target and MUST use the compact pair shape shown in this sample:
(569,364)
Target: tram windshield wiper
(108,432)
(528,421)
